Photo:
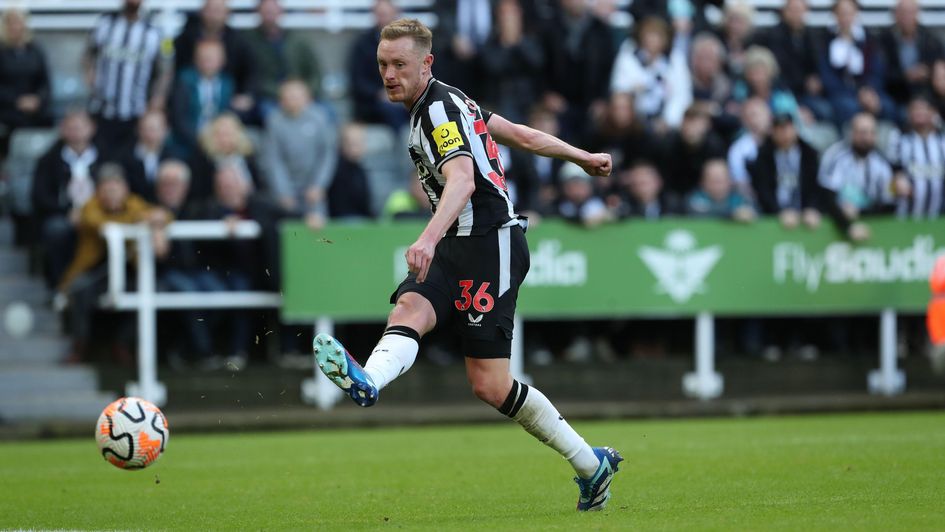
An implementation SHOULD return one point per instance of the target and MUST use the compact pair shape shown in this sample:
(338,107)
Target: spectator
(937,87)
(172,183)
(760,80)
(620,133)
(655,73)
(857,173)
(852,69)
(62,183)
(370,101)
(796,49)
(301,153)
(711,86)
(280,55)
(223,142)
(239,264)
(918,158)
(686,151)
(785,180)
(463,26)
(579,55)
(786,185)
(201,94)
(349,196)
(124,46)
(756,123)
(736,34)
(142,160)
(578,202)
(408,204)
(535,177)
(909,50)
(640,194)
(210,24)
(686,16)
(512,61)
(87,277)
(24,79)
(717,196)
(178,272)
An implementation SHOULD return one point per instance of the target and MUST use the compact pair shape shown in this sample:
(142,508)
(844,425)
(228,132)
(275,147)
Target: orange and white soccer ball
(131,433)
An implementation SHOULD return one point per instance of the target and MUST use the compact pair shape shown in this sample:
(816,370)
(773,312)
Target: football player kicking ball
(469,261)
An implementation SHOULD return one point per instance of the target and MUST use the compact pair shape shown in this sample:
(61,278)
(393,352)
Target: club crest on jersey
(472,108)
(447,138)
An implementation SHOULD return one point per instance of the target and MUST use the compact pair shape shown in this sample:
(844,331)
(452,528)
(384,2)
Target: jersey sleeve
(444,129)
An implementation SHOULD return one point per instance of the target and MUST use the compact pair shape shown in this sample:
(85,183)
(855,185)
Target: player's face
(403,69)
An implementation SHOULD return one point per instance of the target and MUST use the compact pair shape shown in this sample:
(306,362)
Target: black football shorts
(473,287)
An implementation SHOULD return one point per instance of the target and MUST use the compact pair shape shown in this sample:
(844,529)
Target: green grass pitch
(831,472)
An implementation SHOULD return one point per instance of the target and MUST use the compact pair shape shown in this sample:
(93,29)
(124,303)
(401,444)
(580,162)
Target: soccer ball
(131,433)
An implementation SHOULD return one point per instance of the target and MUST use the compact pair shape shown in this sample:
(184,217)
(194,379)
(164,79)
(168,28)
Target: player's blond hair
(412,28)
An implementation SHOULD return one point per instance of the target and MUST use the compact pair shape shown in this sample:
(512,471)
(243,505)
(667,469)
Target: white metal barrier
(146,300)
(703,383)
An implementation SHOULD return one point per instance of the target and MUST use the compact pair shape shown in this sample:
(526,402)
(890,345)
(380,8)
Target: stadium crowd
(702,120)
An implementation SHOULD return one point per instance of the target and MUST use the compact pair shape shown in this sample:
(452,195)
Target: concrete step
(45,322)
(22,288)
(36,350)
(6,233)
(77,407)
(21,381)
(13,262)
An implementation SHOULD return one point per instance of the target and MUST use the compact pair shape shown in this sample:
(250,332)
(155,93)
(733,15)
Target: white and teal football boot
(343,370)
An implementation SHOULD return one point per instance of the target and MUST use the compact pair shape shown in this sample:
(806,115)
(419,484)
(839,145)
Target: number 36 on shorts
(482,301)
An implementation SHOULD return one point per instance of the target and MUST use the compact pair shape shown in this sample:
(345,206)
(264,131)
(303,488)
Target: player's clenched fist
(597,164)
(419,257)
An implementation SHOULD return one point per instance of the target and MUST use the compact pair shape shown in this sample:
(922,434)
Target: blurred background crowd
(813,126)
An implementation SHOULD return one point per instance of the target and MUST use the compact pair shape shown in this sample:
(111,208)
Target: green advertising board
(645,269)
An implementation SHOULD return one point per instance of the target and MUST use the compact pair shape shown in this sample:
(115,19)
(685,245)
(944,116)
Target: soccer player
(467,265)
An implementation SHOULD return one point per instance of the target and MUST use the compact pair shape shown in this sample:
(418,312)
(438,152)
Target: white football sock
(394,354)
(535,413)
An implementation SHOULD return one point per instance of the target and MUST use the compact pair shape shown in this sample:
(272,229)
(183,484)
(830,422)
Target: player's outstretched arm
(460,185)
(529,139)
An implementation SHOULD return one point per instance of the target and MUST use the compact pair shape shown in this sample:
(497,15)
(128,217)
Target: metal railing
(146,300)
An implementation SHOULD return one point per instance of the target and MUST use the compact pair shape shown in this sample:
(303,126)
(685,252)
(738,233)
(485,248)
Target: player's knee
(489,389)
(413,311)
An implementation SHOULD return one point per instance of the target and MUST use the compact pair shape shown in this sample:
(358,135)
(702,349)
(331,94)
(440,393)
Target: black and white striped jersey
(863,182)
(126,54)
(922,159)
(445,123)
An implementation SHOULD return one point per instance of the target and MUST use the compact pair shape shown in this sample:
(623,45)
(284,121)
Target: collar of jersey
(422,96)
